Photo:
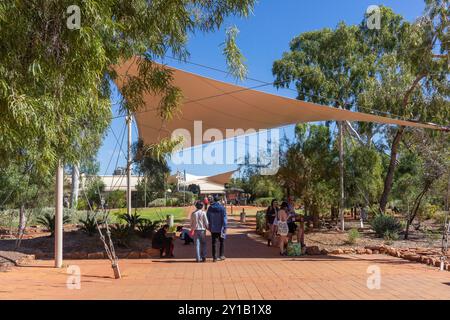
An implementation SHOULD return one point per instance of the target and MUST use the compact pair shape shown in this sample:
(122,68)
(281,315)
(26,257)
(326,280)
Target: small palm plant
(48,222)
(122,234)
(132,220)
(146,228)
(89,225)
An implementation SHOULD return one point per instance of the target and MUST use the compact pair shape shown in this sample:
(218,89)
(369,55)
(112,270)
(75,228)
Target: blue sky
(263,38)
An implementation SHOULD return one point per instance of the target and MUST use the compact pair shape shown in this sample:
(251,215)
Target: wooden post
(128,119)
(59,216)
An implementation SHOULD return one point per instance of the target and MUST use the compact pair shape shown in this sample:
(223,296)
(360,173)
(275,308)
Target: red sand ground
(251,271)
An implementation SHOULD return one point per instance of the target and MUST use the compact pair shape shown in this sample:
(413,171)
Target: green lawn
(158,213)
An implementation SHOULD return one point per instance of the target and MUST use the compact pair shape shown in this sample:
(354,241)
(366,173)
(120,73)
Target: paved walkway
(251,271)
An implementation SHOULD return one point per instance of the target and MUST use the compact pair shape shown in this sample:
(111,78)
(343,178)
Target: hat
(216,198)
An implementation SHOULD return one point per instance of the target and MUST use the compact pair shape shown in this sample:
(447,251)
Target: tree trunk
(75,186)
(341,175)
(391,170)
(416,209)
(22,220)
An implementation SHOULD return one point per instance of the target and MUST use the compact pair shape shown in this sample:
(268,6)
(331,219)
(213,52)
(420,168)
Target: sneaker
(214,259)
(221,258)
(203,259)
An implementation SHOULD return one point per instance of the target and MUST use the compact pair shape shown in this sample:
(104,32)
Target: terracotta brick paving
(251,271)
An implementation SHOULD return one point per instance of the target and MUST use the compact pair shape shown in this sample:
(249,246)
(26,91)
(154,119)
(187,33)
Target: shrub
(146,228)
(440,217)
(263,202)
(183,198)
(132,220)
(89,225)
(260,221)
(352,236)
(122,234)
(82,204)
(159,202)
(390,235)
(48,222)
(382,223)
(116,199)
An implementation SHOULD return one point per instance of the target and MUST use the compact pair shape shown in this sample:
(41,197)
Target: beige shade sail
(222,106)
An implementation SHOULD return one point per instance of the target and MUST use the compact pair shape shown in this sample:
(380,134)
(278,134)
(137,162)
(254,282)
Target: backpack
(294,249)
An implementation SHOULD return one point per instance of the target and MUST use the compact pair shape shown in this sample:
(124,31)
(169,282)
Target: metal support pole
(129,120)
(59,216)
(341,174)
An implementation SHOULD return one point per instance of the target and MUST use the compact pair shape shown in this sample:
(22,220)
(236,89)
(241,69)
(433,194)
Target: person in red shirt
(205,202)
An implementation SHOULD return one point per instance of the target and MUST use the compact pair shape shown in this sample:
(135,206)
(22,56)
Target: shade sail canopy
(222,106)
(207,184)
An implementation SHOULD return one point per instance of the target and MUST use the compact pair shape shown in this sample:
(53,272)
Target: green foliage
(309,170)
(363,174)
(352,236)
(132,220)
(55,81)
(48,222)
(89,225)
(181,198)
(260,221)
(160,202)
(122,234)
(94,190)
(116,199)
(385,223)
(430,211)
(390,235)
(263,202)
(394,70)
(146,228)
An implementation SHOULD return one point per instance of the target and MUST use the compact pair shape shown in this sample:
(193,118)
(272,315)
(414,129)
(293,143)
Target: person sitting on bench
(162,242)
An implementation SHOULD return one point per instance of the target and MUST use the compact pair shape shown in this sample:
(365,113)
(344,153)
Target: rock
(313,251)
(411,257)
(360,251)
(324,252)
(152,251)
(369,251)
(376,252)
(79,255)
(144,255)
(134,255)
(373,248)
(437,263)
(337,251)
(95,255)
(349,251)
(122,255)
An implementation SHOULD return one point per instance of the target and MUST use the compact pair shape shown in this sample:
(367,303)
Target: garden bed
(76,245)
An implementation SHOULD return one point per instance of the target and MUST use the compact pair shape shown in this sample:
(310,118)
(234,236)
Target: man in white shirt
(199,225)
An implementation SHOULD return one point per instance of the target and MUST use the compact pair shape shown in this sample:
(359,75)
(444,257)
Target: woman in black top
(162,242)
(271,214)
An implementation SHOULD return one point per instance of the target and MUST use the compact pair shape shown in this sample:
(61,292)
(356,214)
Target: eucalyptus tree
(308,169)
(394,69)
(55,76)
(409,77)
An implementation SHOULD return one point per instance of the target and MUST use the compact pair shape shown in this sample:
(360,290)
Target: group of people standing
(281,223)
(214,219)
